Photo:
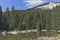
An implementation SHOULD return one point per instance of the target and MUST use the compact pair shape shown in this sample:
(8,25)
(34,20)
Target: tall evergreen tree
(6,18)
(11,25)
(1,21)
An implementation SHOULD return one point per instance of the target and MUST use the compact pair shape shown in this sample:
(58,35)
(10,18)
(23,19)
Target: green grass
(49,34)
(27,36)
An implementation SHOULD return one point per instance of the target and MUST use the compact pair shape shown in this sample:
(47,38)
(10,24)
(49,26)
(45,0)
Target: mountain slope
(50,5)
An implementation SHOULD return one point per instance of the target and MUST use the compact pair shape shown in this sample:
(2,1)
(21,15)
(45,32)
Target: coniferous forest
(30,19)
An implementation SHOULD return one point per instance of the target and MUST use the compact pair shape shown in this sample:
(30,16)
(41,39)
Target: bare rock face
(50,5)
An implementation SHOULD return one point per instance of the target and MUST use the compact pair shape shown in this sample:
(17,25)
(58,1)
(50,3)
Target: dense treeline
(29,19)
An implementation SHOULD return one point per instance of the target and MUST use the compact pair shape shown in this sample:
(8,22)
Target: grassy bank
(27,36)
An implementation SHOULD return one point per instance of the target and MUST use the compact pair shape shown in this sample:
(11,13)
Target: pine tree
(12,16)
(6,18)
(1,21)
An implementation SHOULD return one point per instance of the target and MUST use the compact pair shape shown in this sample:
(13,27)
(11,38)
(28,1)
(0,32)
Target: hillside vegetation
(30,19)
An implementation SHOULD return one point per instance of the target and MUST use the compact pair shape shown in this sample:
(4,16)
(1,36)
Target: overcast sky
(23,4)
